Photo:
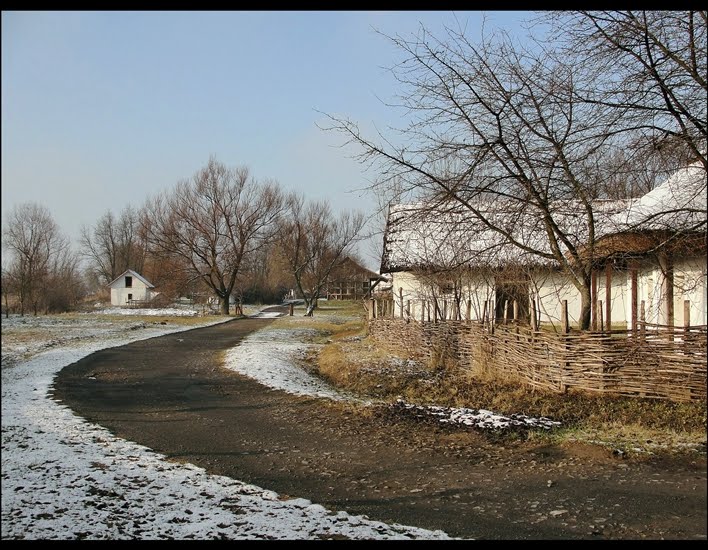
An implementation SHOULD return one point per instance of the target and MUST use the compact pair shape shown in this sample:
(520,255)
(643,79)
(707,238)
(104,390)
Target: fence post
(565,327)
(593,300)
(601,325)
(686,325)
(292,309)
(400,297)
(633,275)
(608,296)
(506,311)
(642,321)
(534,316)
(408,309)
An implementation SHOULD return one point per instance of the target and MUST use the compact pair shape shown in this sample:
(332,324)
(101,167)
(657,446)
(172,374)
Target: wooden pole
(669,294)
(593,300)
(608,296)
(565,326)
(686,325)
(408,309)
(292,309)
(534,315)
(506,311)
(400,297)
(642,321)
(633,275)
(600,324)
(515,306)
(469,311)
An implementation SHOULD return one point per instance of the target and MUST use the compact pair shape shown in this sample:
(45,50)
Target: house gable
(119,282)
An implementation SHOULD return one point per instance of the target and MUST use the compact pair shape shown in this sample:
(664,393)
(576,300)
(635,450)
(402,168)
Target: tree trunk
(225,304)
(585,304)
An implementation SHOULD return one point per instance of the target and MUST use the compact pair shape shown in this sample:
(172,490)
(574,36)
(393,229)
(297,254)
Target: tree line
(221,234)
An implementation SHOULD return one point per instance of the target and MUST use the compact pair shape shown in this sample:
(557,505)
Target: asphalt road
(170,394)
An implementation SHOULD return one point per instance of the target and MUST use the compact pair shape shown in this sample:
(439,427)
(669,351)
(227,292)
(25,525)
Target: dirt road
(170,394)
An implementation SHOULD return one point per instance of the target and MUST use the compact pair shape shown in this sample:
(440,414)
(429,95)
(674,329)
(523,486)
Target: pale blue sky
(102,109)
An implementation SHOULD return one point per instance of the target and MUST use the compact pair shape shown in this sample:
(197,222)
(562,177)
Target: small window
(128,281)
(130,297)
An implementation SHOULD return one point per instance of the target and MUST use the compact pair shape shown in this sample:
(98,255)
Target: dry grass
(354,362)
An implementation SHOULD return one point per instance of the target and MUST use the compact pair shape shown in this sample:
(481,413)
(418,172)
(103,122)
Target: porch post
(593,300)
(633,277)
(608,296)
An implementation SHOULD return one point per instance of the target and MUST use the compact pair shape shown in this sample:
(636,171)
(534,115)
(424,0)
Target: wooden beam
(633,269)
(593,300)
(565,326)
(608,296)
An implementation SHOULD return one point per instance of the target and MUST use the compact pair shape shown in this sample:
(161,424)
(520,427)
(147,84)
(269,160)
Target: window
(128,281)
(130,297)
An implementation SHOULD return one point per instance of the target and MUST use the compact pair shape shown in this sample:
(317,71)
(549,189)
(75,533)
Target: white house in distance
(130,286)
(439,255)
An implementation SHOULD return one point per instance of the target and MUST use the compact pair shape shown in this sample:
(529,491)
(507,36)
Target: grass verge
(351,360)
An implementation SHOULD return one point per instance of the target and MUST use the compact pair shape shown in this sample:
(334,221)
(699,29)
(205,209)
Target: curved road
(170,394)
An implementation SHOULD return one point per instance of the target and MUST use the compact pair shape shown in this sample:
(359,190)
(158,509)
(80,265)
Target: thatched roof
(446,235)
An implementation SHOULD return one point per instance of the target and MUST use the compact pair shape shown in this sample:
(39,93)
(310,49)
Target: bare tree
(313,240)
(504,132)
(65,286)
(114,244)
(214,222)
(649,65)
(35,243)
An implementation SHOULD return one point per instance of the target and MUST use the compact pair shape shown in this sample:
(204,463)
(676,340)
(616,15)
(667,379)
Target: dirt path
(169,394)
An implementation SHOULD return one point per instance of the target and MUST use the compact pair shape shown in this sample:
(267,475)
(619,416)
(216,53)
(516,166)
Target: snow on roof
(420,235)
(679,203)
(447,235)
(134,274)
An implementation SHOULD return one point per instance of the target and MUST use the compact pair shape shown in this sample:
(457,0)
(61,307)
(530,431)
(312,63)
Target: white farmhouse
(650,260)
(130,287)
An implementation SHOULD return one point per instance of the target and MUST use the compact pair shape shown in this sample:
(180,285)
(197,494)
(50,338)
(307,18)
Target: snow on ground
(271,356)
(64,478)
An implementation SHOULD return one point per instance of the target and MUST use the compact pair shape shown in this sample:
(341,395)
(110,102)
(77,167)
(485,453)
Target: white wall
(416,290)
(119,293)
(551,288)
(690,282)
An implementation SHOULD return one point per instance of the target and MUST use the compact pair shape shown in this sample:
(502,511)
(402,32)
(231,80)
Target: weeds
(353,361)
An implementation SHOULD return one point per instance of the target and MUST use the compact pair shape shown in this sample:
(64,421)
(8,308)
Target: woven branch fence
(653,362)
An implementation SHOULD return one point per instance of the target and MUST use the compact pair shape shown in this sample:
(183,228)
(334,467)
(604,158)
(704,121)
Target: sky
(64,478)
(102,109)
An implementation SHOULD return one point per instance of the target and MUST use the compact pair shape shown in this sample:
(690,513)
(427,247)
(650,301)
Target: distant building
(351,281)
(131,288)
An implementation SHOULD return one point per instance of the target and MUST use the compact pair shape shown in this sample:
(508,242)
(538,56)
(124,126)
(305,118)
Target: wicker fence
(654,362)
